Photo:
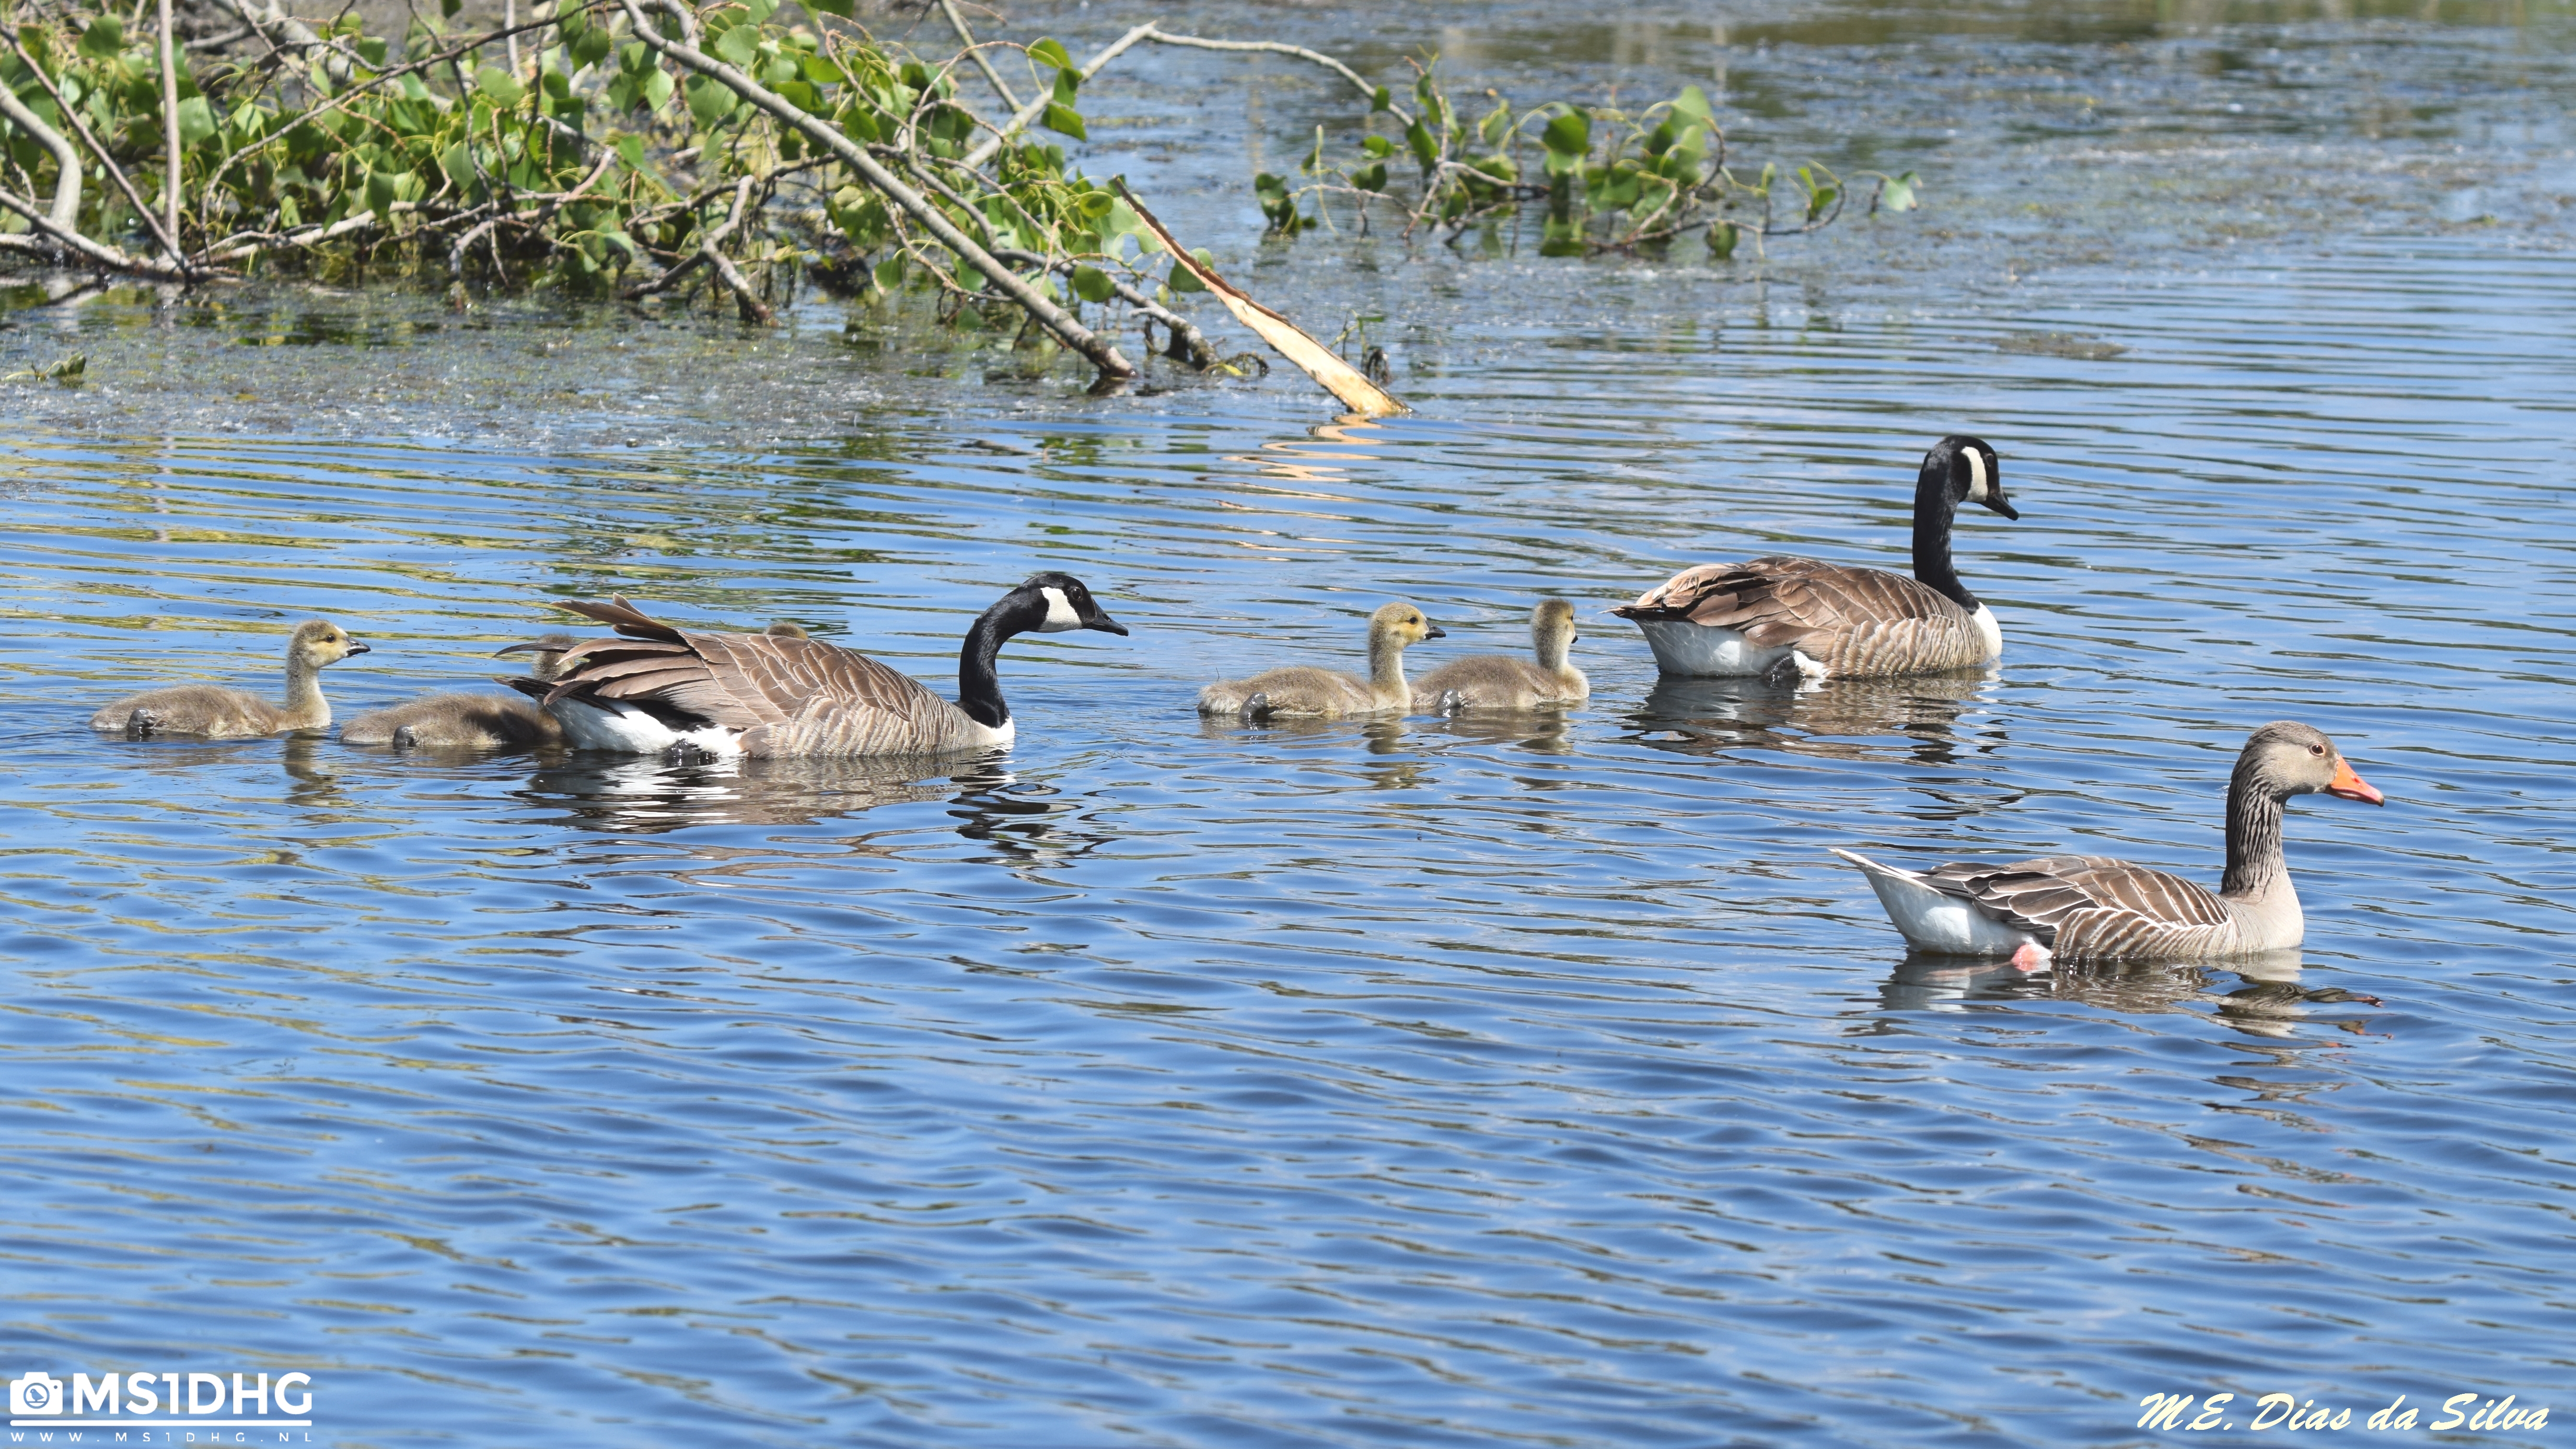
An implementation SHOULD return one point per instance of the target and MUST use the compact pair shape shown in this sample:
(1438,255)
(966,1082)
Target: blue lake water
(1419,1083)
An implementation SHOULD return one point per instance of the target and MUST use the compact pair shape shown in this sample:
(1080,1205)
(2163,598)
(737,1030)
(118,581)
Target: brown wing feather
(790,696)
(2056,893)
(1845,617)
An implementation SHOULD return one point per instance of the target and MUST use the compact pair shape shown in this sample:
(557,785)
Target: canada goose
(469,721)
(230,714)
(1498,681)
(1819,619)
(2091,906)
(1328,693)
(771,696)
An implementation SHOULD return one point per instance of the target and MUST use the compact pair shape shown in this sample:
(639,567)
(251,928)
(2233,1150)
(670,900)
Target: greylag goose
(2094,907)
(231,714)
(1498,681)
(1299,689)
(470,721)
(1819,619)
(771,696)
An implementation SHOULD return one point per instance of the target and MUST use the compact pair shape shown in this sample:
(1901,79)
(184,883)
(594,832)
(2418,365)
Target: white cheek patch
(1976,476)
(1060,614)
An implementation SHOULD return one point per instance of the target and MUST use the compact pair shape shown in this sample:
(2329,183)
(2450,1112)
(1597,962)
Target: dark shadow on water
(1893,720)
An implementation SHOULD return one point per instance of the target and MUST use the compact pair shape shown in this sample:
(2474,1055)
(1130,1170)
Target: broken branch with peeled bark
(1285,337)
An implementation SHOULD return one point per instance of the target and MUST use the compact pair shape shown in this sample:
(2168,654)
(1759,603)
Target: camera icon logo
(37,1393)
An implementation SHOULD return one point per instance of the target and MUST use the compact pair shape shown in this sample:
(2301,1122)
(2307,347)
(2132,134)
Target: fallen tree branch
(1290,341)
(957,23)
(64,219)
(1280,47)
(169,240)
(1021,118)
(97,252)
(1103,354)
(1188,345)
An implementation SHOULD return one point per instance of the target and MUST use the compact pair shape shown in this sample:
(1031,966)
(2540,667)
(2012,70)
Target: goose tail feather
(1934,920)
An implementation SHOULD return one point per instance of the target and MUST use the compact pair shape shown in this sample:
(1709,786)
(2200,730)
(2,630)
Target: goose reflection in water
(629,795)
(2268,997)
(644,795)
(1915,717)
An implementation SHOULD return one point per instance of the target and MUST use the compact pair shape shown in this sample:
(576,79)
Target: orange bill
(2351,786)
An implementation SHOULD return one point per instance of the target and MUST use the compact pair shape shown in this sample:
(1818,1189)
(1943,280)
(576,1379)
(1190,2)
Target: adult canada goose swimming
(469,721)
(2094,907)
(775,696)
(230,714)
(1499,681)
(1819,619)
(1299,689)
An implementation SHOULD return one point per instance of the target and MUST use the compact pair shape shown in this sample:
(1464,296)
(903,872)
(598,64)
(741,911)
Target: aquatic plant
(1608,179)
(629,147)
(656,148)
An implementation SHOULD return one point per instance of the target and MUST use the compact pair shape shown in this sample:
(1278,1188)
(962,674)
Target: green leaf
(382,189)
(1818,201)
(711,100)
(1896,193)
(1068,87)
(371,49)
(1092,284)
(1496,125)
(1693,102)
(860,125)
(889,273)
(1065,120)
(1371,177)
(591,46)
(103,39)
(1182,280)
(1425,149)
(1569,135)
(739,44)
(657,89)
(495,82)
(1048,52)
(196,120)
(1377,148)
(1722,237)
(1384,100)
(760,11)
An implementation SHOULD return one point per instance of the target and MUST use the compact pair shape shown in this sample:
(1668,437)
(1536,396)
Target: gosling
(1500,682)
(470,721)
(234,714)
(1300,690)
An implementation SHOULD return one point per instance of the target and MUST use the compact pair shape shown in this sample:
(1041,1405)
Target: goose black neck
(2253,834)
(1934,511)
(979,685)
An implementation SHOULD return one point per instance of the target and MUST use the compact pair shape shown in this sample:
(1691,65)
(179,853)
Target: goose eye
(2316,749)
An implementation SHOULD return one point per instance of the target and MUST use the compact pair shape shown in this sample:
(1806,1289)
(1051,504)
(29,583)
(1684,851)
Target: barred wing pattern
(1851,620)
(2093,905)
(788,697)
